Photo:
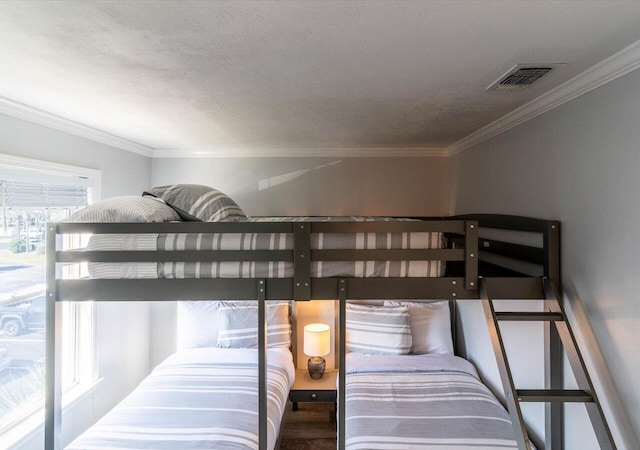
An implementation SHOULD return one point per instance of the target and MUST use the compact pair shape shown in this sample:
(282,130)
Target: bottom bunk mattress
(201,398)
(421,402)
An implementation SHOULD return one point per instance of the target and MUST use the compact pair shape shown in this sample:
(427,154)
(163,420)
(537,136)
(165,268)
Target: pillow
(125,209)
(378,330)
(239,325)
(198,324)
(197,203)
(430,326)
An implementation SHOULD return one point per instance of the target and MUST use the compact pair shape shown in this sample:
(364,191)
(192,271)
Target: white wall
(123,329)
(579,164)
(306,186)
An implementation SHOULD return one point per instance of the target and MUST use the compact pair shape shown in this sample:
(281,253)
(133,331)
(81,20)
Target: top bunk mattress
(268,241)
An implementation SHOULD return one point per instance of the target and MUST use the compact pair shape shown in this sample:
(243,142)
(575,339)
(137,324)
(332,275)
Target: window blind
(22,194)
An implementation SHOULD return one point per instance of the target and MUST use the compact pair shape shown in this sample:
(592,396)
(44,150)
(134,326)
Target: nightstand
(305,389)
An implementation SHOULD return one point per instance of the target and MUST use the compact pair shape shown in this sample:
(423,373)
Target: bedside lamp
(316,345)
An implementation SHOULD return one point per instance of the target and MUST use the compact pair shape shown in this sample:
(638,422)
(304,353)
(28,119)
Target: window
(31,194)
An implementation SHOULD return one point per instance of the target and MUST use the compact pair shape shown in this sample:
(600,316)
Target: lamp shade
(317,339)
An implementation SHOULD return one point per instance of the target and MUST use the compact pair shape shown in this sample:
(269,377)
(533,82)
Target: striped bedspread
(267,241)
(202,398)
(421,402)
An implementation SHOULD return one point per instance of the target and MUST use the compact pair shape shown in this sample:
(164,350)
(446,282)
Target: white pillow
(378,330)
(430,326)
(198,324)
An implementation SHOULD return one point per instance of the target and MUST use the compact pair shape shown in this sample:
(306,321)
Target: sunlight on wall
(287,177)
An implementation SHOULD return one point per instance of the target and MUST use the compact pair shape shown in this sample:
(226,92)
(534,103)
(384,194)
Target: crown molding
(621,63)
(18,162)
(28,113)
(361,152)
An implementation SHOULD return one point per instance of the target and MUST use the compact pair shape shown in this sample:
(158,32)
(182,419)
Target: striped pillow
(239,325)
(197,203)
(378,330)
(127,208)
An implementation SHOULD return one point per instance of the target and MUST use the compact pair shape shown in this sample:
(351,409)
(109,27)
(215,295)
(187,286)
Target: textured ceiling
(262,75)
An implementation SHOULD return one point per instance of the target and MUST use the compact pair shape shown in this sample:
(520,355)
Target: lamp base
(316,366)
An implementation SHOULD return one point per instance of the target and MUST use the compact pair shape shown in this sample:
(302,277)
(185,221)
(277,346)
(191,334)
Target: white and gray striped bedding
(378,330)
(266,241)
(431,402)
(198,202)
(202,398)
(238,326)
(125,209)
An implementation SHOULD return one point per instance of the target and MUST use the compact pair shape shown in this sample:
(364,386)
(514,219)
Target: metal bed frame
(469,277)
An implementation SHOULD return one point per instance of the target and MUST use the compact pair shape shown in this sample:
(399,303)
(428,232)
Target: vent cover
(521,76)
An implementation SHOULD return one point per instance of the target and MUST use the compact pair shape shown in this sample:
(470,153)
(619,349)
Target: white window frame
(81,364)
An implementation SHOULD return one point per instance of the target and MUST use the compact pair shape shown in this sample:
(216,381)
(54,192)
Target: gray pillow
(239,325)
(196,203)
(125,209)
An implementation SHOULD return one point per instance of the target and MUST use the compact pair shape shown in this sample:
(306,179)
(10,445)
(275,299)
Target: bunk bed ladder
(553,314)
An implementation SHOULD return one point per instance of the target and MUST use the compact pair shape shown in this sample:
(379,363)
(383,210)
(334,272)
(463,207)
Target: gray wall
(579,164)
(122,329)
(319,186)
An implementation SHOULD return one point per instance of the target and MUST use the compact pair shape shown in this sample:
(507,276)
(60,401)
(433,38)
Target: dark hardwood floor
(311,427)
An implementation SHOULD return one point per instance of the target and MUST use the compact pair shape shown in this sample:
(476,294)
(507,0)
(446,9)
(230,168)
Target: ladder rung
(530,316)
(553,395)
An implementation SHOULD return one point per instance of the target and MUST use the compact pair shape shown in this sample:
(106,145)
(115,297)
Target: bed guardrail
(300,287)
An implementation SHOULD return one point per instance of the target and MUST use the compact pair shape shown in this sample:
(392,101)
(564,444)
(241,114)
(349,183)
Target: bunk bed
(447,267)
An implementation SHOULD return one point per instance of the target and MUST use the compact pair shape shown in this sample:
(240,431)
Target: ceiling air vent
(521,76)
